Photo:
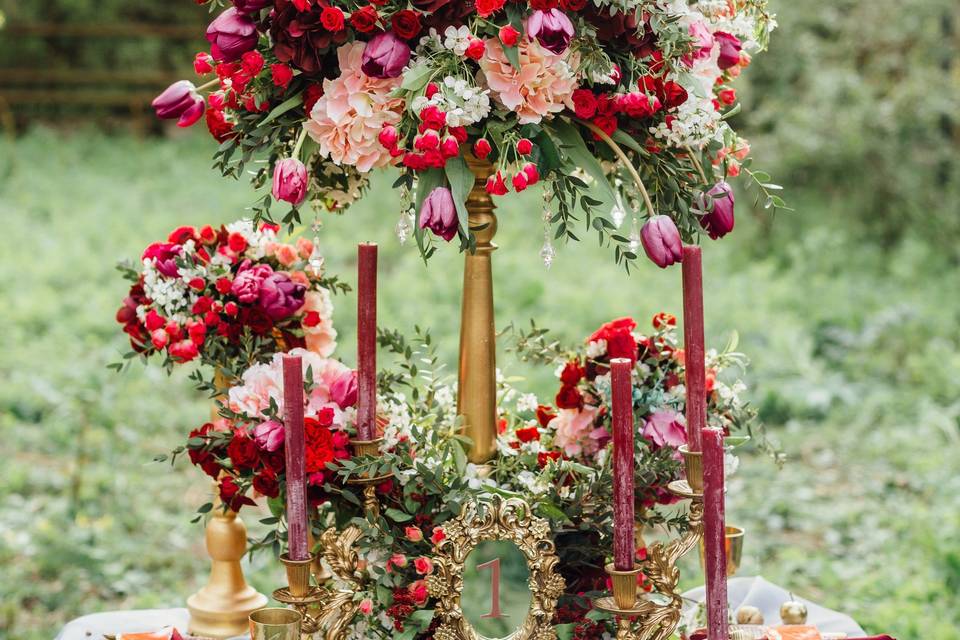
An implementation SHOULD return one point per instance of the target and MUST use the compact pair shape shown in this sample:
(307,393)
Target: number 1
(494,566)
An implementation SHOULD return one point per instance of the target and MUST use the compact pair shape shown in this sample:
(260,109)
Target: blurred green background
(848,308)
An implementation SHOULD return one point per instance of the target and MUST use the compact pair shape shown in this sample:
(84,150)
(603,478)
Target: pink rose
(268,435)
(304,247)
(437,536)
(285,254)
(366,606)
(413,534)
(246,286)
(423,565)
(418,590)
(396,560)
(665,429)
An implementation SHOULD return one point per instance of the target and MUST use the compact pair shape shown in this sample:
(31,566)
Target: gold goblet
(733,541)
(274,623)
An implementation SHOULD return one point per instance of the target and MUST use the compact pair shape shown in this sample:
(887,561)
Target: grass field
(856,371)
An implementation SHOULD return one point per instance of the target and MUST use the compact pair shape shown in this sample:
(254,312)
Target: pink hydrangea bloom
(541,86)
(575,433)
(347,119)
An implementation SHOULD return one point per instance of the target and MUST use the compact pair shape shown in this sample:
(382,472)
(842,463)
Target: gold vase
(221,608)
(477,390)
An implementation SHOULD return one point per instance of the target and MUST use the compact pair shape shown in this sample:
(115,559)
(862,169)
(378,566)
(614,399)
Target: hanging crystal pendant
(634,237)
(404,227)
(618,214)
(316,259)
(547,252)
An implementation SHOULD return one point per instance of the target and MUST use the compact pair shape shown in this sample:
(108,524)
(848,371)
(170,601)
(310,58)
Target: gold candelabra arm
(477,392)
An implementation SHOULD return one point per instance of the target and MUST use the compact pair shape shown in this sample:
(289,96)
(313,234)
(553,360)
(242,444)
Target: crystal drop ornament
(403,228)
(547,253)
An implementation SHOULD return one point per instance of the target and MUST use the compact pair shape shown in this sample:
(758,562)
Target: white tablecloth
(768,597)
(753,591)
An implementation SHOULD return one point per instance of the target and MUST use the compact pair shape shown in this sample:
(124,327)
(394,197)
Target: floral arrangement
(615,105)
(554,456)
(228,297)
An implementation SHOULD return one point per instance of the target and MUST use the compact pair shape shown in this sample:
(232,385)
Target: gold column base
(222,607)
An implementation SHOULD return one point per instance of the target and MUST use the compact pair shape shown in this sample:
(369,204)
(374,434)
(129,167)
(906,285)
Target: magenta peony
(280,297)
(552,29)
(246,286)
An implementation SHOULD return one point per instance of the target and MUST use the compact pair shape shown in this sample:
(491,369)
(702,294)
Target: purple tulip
(246,286)
(165,254)
(231,35)
(729,49)
(718,222)
(180,100)
(251,6)
(290,181)
(385,56)
(280,297)
(552,29)
(268,435)
(661,241)
(439,214)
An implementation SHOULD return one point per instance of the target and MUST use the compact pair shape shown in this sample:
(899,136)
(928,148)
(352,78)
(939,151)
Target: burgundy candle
(366,341)
(295,458)
(694,352)
(623,463)
(714,534)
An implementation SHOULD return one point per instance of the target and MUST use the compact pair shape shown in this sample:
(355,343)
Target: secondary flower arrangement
(555,457)
(617,105)
(228,297)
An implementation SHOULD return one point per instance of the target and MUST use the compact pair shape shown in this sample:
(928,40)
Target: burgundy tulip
(661,241)
(552,29)
(290,181)
(385,56)
(718,221)
(729,49)
(280,297)
(251,6)
(439,213)
(180,100)
(231,35)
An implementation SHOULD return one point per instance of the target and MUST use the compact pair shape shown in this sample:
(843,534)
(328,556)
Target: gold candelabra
(655,615)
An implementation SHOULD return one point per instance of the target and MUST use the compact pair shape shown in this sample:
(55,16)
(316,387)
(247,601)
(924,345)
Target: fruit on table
(748,614)
(793,612)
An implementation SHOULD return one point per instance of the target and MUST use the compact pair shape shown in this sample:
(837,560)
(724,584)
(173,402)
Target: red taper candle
(366,341)
(623,464)
(714,534)
(693,347)
(294,446)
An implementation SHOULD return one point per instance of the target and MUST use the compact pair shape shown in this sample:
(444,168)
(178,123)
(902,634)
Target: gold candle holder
(299,594)
(693,464)
(298,574)
(369,483)
(624,585)
(275,623)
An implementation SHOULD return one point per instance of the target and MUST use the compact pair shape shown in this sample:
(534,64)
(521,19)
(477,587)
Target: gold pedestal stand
(221,608)
(655,615)
(477,384)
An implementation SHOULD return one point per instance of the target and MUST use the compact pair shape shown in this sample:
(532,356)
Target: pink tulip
(729,49)
(661,241)
(718,222)
(180,100)
(552,29)
(385,56)
(231,34)
(290,181)
(268,435)
(439,213)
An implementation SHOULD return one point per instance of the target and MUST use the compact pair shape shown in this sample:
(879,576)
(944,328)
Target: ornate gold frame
(500,519)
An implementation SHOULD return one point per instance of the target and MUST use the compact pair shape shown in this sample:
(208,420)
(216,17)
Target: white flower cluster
(171,296)
(696,124)
(463,103)
(455,39)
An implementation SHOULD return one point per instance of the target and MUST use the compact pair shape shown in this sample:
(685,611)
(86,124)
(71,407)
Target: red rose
(486,8)
(236,242)
(201,457)
(364,19)
(573,5)
(509,35)
(546,456)
(310,96)
(242,451)
(544,5)
(258,321)
(475,49)
(529,434)
(406,24)
(728,96)
(664,319)
(281,75)
(182,234)
(332,19)
(622,345)
(319,446)
(569,398)
(620,325)
(673,95)
(433,118)
(252,62)
(230,494)
(266,483)
(572,373)
(544,415)
(183,351)
(584,103)
(607,124)
(218,125)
